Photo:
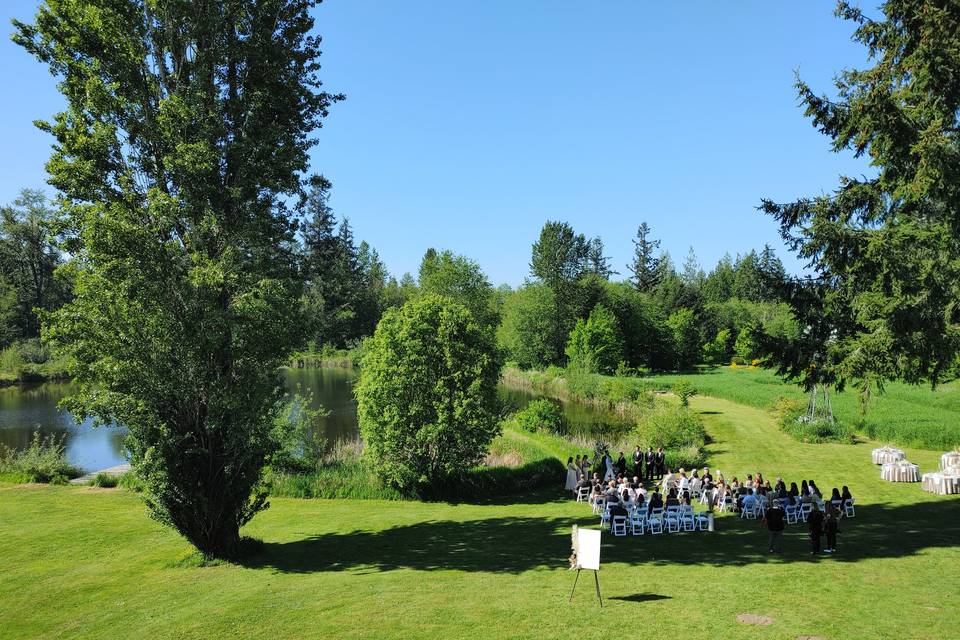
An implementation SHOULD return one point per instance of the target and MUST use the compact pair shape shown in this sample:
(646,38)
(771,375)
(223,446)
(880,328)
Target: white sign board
(586,544)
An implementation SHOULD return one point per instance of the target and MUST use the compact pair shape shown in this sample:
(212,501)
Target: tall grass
(908,415)
(43,460)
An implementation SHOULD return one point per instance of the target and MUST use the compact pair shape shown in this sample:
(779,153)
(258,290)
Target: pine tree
(647,266)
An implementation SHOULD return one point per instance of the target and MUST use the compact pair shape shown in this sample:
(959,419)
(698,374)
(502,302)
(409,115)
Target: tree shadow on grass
(640,597)
(518,544)
(497,545)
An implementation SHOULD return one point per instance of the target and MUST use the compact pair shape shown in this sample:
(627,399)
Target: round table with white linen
(941,483)
(900,471)
(884,455)
(950,459)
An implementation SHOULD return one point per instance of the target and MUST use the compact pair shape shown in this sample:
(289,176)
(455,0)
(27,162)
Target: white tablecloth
(884,455)
(941,483)
(901,471)
(950,459)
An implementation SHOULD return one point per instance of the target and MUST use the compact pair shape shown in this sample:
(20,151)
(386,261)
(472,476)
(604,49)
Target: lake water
(34,408)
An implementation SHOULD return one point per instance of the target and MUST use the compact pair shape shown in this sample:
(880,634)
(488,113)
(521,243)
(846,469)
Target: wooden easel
(596,580)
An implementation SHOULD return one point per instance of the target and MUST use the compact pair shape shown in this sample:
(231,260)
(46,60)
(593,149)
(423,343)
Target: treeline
(572,310)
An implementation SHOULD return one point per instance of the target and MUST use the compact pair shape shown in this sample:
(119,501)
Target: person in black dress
(815,526)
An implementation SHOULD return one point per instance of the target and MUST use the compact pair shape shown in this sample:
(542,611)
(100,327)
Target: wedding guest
(815,527)
(651,461)
(621,464)
(672,499)
(831,527)
(656,501)
(661,461)
(845,496)
(638,462)
(774,517)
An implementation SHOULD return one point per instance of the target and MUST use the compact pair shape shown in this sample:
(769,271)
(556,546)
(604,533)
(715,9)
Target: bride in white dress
(571,476)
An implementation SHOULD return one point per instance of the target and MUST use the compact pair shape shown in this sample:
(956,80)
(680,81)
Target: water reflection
(28,409)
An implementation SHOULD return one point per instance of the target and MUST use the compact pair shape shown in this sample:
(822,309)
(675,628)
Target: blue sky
(468,125)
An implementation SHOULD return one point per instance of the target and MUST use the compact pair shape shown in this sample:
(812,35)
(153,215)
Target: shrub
(427,394)
(670,427)
(299,431)
(684,390)
(541,414)
(105,480)
(44,460)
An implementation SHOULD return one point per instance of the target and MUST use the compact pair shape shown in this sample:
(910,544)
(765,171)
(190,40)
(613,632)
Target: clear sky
(467,125)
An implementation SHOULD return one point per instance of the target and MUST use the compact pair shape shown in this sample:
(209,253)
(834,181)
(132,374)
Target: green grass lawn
(81,562)
(906,414)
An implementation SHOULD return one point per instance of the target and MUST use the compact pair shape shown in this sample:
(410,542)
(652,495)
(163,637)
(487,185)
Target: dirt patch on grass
(752,618)
(811,638)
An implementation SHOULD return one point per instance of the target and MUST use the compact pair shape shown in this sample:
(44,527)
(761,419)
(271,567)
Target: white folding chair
(672,518)
(848,509)
(791,512)
(655,521)
(619,525)
(638,522)
(583,493)
(686,518)
(805,510)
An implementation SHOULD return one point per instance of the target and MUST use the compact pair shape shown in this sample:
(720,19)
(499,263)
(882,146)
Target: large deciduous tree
(427,394)
(187,128)
(885,248)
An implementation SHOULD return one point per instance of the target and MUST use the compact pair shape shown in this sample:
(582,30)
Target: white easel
(586,555)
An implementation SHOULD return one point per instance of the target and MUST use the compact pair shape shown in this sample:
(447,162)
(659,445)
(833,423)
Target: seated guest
(749,483)
(845,495)
(672,500)
(640,502)
(806,498)
(683,483)
(804,489)
(618,509)
(815,489)
(793,490)
(780,486)
(758,480)
(749,502)
(706,475)
(735,484)
(836,497)
(685,497)
(656,501)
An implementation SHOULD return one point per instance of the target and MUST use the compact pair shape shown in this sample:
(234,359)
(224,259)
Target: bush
(299,431)
(541,414)
(670,427)
(105,480)
(427,394)
(684,390)
(44,460)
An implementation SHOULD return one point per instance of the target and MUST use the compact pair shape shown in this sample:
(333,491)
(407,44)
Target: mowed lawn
(80,562)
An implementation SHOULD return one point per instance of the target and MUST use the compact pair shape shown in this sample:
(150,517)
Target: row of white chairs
(660,520)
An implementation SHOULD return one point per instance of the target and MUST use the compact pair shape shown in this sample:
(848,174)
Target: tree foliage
(187,128)
(427,395)
(595,344)
(885,249)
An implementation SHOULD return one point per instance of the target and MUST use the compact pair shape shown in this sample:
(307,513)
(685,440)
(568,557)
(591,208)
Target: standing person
(572,475)
(585,466)
(578,466)
(608,467)
(621,465)
(815,526)
(638,462)
(773,516)
(651,459)
(661,462)
(831,527)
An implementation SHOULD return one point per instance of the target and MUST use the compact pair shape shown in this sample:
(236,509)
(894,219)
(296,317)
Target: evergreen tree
(888,245)
(647,266)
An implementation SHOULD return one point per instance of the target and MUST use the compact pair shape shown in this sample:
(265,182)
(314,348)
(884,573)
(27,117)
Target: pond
(25,410)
